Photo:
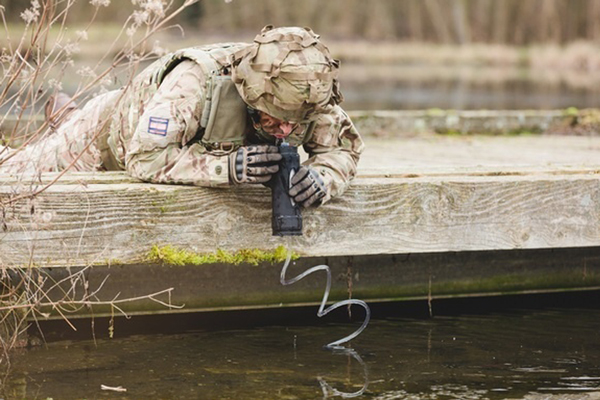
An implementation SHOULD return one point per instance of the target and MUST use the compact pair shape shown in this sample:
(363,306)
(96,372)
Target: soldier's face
(276,127)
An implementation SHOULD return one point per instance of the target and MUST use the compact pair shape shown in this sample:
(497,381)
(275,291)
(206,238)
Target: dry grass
(37,55)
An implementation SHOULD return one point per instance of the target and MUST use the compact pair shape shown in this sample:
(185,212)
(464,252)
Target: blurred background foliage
(514,22)
(397,54)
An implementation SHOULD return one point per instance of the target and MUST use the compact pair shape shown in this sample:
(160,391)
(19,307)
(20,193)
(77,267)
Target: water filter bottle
(287,217)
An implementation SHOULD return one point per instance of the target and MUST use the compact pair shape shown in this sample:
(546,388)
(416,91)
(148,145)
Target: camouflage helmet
(287,73)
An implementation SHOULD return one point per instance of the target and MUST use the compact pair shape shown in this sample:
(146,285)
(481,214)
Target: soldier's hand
(254,164)
(308,187)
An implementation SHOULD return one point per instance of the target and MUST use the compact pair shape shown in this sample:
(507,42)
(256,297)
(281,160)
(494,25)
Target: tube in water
(337,344)
(329,391)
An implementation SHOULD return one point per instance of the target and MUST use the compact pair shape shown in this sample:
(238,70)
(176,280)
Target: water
(401,87)
(463,87)
(462,94)
(499,355)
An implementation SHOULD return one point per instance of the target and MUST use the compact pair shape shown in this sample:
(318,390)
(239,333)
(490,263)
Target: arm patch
(158,126)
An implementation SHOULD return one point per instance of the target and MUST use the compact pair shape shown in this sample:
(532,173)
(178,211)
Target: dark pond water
(462,93)
(498,355)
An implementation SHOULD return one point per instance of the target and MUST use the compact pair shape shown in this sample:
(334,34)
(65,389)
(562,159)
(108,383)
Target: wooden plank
(82,221)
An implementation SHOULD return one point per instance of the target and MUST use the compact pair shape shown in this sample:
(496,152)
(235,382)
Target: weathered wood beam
(105,218)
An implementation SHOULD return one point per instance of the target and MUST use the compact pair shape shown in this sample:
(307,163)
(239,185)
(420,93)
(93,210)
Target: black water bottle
(287,218)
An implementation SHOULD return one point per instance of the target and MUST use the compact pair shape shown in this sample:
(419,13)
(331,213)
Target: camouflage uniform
(56,150)
(155,129)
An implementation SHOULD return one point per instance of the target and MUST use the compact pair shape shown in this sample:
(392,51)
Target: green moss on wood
(171,255)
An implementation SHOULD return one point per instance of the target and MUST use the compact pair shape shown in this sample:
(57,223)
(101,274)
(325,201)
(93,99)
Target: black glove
(254,164)
(308,187)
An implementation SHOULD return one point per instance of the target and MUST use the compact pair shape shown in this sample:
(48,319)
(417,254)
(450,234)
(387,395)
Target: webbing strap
(286,106)
(229,59)
(109,162)
(268,85)
(308,76)
(297,76)
(266,68)
(303,41)
(314,91)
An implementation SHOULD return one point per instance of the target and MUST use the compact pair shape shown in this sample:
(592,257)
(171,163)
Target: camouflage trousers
(72,145)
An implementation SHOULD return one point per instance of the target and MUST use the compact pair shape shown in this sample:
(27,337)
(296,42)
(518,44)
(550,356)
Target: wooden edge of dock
(103,218)
(393,236)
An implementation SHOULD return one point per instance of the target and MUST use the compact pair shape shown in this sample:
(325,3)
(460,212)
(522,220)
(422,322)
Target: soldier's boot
(58,108)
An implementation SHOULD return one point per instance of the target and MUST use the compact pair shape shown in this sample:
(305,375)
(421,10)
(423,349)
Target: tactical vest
(224,119)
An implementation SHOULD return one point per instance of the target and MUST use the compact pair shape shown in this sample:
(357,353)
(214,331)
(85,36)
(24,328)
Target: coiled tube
(329,391)
(337,344)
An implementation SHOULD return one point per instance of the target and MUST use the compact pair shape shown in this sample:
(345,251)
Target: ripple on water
(510,355)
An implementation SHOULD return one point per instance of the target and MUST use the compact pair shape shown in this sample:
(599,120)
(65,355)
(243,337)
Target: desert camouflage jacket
(154,129)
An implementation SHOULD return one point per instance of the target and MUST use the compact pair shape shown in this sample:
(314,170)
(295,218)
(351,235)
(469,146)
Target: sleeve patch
(158,126)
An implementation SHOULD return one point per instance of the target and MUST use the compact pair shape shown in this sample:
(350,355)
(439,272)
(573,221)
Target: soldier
(212,116)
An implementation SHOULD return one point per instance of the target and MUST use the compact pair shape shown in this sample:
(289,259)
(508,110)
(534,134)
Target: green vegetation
(589,117)
(175,256)
(571,112)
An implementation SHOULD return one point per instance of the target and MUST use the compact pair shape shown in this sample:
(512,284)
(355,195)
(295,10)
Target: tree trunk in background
(519,22)
(346,17)
(523,20)
(570,19)
(500,11)
(481,21)
(461,26)
(592,20)
(379,23)
(415,20)
(550,22)
(438,18)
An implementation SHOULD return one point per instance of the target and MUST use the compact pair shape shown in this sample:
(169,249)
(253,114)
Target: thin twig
(97,302)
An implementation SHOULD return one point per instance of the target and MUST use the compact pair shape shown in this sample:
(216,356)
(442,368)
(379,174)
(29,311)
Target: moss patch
(175,256)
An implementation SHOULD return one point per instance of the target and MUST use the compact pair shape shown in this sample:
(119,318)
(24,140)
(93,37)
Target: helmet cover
(287,73)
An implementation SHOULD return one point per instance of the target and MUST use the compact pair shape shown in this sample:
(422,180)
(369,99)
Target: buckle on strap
(222,148)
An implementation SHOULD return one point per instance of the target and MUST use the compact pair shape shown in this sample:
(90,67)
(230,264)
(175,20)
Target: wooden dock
(428,217)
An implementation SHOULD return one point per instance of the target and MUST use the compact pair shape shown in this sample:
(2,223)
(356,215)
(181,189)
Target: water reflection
(493,356)
(372,87)
(329,391)
(465,95)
